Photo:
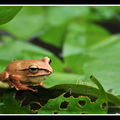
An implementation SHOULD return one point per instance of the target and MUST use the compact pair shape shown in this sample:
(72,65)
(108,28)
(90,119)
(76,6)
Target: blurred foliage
(87,48)
(7,13)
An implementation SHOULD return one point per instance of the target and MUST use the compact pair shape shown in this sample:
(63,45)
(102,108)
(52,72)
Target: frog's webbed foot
(41,84)
(21,86)
(10,84)
(24,87)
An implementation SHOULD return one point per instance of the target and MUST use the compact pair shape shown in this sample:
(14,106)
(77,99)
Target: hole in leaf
(67,95)
(93,99)
(64,105)
(83,113)
(34,106)
(103,105)
(56,112)
(82,103)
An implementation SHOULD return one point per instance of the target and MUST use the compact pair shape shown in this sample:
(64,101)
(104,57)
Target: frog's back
(14,65)
(23,64)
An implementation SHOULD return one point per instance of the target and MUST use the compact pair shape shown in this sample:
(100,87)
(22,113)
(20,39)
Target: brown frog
(23,73)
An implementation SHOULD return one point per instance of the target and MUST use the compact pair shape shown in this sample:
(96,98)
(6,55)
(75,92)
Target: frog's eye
(50,61)
(33,69)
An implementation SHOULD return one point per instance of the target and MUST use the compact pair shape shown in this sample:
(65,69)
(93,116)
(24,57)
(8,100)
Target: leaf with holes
(9,106)
(81,104)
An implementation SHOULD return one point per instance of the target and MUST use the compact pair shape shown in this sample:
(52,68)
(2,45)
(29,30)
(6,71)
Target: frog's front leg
(41,84)
(5,77)
(18,85)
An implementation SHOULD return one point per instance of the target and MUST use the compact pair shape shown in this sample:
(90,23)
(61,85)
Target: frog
(20,74)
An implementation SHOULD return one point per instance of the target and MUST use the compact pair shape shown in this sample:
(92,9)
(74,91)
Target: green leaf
(7,13)
(106,63)
(99,53)
(74,107)
(58,15)
(9,106)
(63,78)
(81,88)
(53,35)
(28,22)
(105,12)
(79,37)
(100,13)
(20,50)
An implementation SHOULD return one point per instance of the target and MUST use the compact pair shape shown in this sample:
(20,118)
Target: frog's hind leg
(18,85)
(24,87)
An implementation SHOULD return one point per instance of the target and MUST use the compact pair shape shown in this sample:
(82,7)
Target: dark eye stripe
(33,68)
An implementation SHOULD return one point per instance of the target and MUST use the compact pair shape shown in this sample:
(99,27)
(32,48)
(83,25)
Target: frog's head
(35,68)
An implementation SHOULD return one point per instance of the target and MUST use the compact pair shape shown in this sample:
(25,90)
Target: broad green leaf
(53,35)
(28,22)
(53,92)
(7,13)
(79,89)
(106,63)
(64,78)
(58,15)
(100,57)
(86,89)
(75,48)
(81,35)
(9,106)
(74,107)
(20,50)
(100,13)
(105,12)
